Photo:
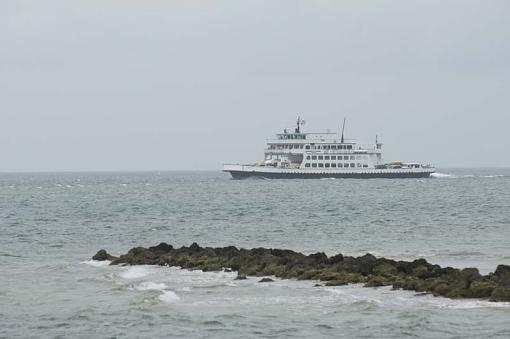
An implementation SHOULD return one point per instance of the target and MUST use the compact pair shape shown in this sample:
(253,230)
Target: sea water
(52,223)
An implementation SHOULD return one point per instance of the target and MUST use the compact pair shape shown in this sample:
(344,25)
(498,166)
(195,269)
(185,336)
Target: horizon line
(194,170)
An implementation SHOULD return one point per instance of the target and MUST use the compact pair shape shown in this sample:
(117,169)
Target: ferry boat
(294,154)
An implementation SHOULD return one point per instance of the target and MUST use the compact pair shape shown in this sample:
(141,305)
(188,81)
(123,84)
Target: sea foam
(134,272)
(149,285)
(169,297)
(96,263)
(441,175)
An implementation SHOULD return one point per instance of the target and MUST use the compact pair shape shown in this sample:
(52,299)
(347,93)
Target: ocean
(52,224)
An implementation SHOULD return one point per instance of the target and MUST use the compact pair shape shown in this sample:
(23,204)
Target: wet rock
(385,269)
(265,280)
(319,257)
(500,294)
(162,247)
(102,255)
(469,275)
(336,258)
(421,271)
(345,279)
(377,281)
(194,247)
(417,275)
(502,275)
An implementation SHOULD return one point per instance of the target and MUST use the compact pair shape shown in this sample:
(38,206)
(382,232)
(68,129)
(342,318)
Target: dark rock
(385,269)
(102,255)
(377,281)
(502,274)
(421,271)
(162,247)
(240,277)
(500,294)
(194,247)
(320,257)
(336,258)
(468,275)
(263,280)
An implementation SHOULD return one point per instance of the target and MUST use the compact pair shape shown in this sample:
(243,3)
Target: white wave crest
(169,297)
(96,263)
(149,285)
(134,272)
(442,175)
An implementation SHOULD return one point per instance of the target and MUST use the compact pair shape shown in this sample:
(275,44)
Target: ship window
(326,157)
(365,166)
(349,146)
(346,157)
(353,157)
(307,146)
(353,165)
(327,164)
(333,157)
(333,164)
(318,147)
(314,165)
(307,157)
(321,165)
(314,157)
(333,146)
(359,165)
(300,146)
(307,165)
(320,157)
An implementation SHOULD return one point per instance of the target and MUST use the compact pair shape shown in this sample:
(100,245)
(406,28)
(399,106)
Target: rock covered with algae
(418,275)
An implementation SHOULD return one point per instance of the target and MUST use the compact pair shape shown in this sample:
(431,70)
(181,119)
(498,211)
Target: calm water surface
(51,224)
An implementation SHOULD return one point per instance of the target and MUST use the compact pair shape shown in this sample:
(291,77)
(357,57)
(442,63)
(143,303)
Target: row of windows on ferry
(335,165)
(334,157)
(291,136)
(290,146)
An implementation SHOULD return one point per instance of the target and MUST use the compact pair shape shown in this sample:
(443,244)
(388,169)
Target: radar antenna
(343,128)
(300,122)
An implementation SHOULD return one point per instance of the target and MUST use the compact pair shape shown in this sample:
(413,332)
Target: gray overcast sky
(164,85)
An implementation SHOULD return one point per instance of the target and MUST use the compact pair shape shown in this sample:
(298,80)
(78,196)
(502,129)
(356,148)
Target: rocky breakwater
(418,275)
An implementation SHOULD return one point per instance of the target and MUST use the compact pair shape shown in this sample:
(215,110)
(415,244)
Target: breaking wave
(134,272)
(442,175)
(169,297)
(96,263)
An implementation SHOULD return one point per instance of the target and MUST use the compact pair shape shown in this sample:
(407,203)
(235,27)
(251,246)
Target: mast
(343,128)
(299,123)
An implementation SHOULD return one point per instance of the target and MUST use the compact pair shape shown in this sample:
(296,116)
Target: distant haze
(171,85)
